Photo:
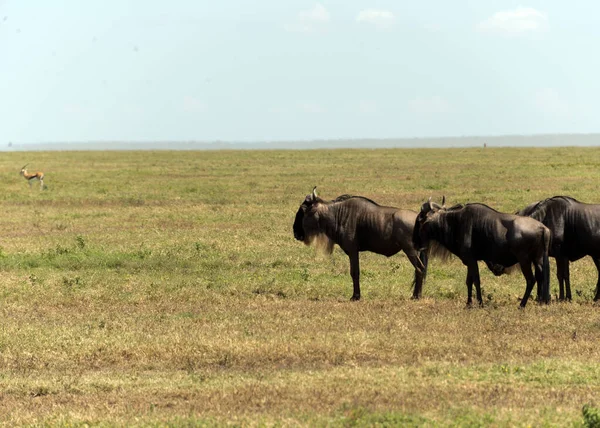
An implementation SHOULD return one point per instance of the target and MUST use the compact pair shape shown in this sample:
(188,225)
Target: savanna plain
(166,288)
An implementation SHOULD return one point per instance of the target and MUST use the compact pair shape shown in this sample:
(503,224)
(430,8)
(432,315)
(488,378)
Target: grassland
(157,288)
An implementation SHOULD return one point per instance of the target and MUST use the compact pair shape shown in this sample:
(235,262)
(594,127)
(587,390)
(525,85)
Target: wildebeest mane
(458,207)
(455,207)
(485,206)
(345,197)
(537,210)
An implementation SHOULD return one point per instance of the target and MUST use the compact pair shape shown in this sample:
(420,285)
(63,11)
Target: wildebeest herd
(559,227)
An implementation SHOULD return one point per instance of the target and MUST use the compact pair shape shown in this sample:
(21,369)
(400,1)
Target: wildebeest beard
(309,233)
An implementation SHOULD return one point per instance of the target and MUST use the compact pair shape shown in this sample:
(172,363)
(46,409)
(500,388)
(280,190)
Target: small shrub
(72,282)
(80,242)
(591,416)
(59,250)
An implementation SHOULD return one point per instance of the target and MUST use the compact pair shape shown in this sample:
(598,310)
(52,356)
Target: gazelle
(34,176)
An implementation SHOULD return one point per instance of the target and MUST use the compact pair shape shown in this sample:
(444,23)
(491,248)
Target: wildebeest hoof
(355,298)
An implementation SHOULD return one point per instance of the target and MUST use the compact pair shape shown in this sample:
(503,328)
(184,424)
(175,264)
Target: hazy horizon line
(508,140)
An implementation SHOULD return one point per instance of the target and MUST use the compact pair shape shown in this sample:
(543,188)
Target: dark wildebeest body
(475,232)
(575,229)
(358,224)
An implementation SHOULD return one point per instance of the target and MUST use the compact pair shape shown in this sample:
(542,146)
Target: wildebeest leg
(469,288)
(560,274)
(529,278)
(419,273)
(567,281)
(473,277)
(355,274)
(597,263)
(474,268)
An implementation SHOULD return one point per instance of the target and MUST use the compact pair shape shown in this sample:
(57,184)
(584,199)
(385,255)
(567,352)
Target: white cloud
(317,14)
(379,18)
(547,100)
(430,105)
(515,21)
(310,21)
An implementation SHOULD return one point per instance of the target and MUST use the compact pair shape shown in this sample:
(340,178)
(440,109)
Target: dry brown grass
(168,289)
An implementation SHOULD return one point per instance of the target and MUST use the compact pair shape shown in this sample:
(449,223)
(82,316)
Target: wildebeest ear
(314,193)
(426,207)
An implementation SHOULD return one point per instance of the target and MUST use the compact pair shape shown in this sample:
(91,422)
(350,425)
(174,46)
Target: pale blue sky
(284,70)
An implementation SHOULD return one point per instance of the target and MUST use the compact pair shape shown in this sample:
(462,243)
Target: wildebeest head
(306,224)
(429,210)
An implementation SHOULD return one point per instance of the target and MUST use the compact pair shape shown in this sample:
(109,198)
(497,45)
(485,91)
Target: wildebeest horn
(426,207)
(314,193)
(443,201)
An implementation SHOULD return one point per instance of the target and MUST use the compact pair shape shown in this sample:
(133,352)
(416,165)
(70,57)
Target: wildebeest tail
(420,274)
(424,256)
(546,265)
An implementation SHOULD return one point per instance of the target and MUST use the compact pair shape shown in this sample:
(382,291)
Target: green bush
(591,416)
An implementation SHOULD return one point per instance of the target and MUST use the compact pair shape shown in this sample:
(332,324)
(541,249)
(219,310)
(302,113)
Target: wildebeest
(475,232)
(575,228)
(357,224)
